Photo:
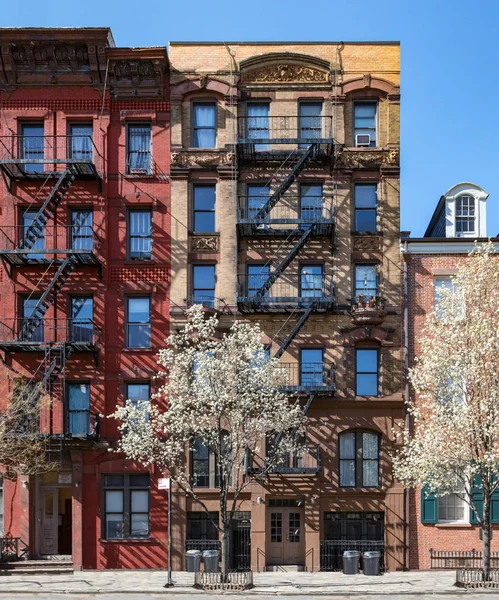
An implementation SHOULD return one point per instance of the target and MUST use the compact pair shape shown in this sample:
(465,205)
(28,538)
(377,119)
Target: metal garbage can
(210,559)
(351,562)
(371,562)
(193,560)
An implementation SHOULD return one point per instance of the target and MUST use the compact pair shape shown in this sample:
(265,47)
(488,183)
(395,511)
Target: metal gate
(240,545)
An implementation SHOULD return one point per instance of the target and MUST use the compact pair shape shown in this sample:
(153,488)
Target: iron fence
(289,210)
(331,557)
(264,129)
(471,579)
(306,375)
(460,559)
(202,545)
(54,238)
(45,331)
(11,548)
(303,288)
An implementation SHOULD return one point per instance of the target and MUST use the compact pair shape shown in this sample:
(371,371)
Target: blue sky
(450,60)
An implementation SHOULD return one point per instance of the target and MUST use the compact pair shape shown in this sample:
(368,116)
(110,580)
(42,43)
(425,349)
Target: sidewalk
(151,582)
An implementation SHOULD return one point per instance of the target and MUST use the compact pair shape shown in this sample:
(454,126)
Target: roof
(287,43)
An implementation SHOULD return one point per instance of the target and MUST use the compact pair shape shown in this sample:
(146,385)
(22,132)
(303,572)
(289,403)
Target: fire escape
(57,161)
(287,146)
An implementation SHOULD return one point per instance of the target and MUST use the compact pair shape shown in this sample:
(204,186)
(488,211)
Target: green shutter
(494,507)
(477,493)
(429,507)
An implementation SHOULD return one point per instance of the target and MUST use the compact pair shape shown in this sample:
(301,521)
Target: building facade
(441,528)
(285,202)
(84,283)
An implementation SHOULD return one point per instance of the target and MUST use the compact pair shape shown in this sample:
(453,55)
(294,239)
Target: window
(79,409)
(139,150)
(365,121)
(126,506)
(310,121)
(203,465)
(465,214)
(311,367)
(31,146)
(365,207)
(257,276)
(366,371)
(203,289)
(28,218)
(82,314)
(81,233)
(138,326)
(353,526)
(359,459)
(205,124)
(80,147)
(311,281)
(138,392)
(27,332)
(258,123)
(441,282)
(453,508)
(310,202)
(258,196)
(200,526)
(204,208)
(140,234)
(366,281)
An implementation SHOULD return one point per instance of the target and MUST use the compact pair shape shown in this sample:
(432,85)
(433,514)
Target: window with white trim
(465,214)
(453,508)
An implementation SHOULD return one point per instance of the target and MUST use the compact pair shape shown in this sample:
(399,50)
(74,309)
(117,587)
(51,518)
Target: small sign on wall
(164,483)
(64,478)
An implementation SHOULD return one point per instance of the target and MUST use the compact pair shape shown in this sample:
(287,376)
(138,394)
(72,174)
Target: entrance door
(50,520)
(285,527)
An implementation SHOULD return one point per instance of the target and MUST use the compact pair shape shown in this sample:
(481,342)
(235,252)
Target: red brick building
(440,525)
(84,285)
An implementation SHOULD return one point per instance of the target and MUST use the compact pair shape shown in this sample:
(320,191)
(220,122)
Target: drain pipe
(406,396)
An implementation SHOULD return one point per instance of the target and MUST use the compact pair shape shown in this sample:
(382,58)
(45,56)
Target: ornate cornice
(204,243)
(354,158)
(201,159)
(285,73)
(364,243)
(137,72)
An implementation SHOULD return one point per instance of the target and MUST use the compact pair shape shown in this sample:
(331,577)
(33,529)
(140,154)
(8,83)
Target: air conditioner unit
(362,140)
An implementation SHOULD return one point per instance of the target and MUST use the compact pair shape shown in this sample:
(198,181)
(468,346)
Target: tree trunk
(486,537)
(225,556)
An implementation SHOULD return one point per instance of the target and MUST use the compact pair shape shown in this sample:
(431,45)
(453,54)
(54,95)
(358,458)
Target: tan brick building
(285,210)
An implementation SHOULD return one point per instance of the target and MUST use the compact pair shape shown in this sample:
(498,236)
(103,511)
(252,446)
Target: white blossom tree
(452,445)
(221,391)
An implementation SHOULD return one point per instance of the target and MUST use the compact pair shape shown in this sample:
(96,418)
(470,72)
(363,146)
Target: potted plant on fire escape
(367,305)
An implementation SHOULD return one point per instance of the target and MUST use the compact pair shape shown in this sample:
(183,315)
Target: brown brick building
(85,250)
(438,527)
(285,210)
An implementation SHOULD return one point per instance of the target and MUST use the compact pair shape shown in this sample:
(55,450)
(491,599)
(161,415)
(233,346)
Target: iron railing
(81,332)
(303,288)
(12,548)
(55,238)
(306,461)
(460,559)
(202,545)
(264,130)
(207,301)
(471,579)
(306,376)
(331,556)
(36,154)
(289,210)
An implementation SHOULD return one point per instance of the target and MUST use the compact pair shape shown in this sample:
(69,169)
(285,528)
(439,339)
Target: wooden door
(285,529)
(50,520)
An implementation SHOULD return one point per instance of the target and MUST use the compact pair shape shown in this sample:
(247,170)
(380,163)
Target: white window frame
(470,219)
(466,508)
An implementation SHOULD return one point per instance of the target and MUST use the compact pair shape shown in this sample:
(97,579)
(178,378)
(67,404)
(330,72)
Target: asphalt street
(173,596)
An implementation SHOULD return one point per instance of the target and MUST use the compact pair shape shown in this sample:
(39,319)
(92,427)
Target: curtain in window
(79,409)
(258,123)
(114,514)
(204,125)
(81,142)
(82,237)
(82,327)
(370,463)
(139,148)
(347,459)
(140,234)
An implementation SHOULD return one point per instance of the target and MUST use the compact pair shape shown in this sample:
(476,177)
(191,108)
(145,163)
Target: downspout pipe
(405,255)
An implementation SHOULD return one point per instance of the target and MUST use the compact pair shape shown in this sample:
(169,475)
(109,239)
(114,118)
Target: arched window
(359,459)
(465,214)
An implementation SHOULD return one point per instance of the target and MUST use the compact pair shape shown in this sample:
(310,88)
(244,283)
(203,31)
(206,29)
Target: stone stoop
(48,566)
(284,568)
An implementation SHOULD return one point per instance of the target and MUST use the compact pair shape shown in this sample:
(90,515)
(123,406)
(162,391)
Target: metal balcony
(76,240)
(306,462)
(306,378)
(287,293)
(41,157)
(81,334)
(269,137)
(289,214)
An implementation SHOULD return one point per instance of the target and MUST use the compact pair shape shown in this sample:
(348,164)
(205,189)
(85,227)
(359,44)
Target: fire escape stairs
(287,182)
(47,210)
(47,298)
(54,362)
(291,328)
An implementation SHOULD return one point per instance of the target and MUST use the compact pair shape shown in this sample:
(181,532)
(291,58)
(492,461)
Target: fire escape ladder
(35,230)
(277,272)
(31,323)
(288,182)
(55,362)
(291,329)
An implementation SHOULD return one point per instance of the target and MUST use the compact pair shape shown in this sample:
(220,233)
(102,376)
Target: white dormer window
(465,214)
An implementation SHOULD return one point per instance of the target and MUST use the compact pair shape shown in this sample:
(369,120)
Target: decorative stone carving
(367,243)
(285,73)
(201,159)
(353,158)
(204,243)
(136,78)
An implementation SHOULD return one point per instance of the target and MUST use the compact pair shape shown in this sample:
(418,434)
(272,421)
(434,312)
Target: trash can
(351,562)
(371,562)
(193,560)
(210,559)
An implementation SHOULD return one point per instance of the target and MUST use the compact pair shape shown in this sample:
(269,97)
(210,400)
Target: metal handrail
(282,128)
(50,331)
(77,238)
(289,209)
(305,375)
(304,287)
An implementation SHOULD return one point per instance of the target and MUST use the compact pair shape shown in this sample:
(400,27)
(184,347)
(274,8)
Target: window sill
(143,261)
(453,525)
(366,233)
(130,541)
(141,350)
(140,176)
(204,233)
